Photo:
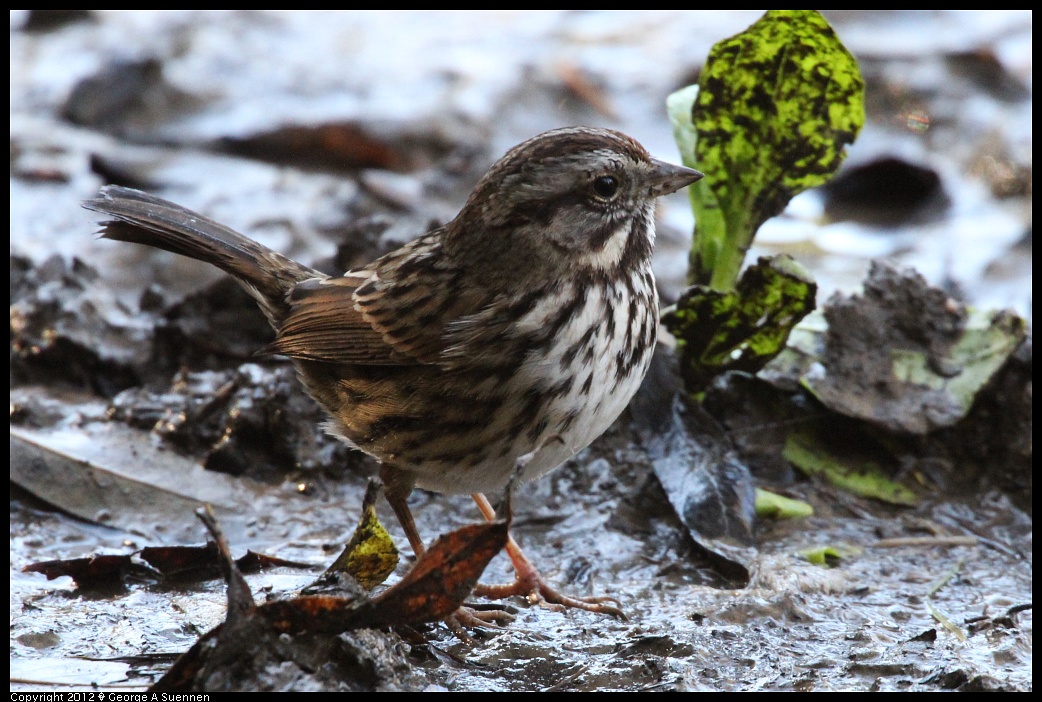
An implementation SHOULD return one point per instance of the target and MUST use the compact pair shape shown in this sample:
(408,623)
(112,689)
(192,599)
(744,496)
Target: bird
(490,349)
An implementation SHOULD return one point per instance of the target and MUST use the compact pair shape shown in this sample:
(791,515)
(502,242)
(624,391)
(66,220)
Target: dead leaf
(370,556)
(435,588)
(89,572)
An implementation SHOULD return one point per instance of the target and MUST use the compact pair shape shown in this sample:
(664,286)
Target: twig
(927,541)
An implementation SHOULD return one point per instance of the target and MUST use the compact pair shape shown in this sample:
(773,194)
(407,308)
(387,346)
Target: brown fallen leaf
(579,83)
(201,562)
(178,560)
(89,572)
(435,588)
(333,146)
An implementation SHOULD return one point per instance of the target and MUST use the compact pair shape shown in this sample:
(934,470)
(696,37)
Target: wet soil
(136,396)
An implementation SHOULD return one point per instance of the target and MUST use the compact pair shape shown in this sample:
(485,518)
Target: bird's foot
(466,618)
(537,591)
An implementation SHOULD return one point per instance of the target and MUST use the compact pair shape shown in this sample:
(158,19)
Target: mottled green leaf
(371,555)
(776,107)
(743,329)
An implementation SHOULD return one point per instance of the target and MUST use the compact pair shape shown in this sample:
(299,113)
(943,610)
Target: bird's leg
(397,488)
(530,585)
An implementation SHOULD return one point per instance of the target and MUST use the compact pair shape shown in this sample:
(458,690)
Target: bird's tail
(141,218)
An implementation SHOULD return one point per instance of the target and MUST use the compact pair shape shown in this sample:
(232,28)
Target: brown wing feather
(323,325)
(393,312)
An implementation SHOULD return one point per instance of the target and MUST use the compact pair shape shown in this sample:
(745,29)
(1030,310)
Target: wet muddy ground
(333,138)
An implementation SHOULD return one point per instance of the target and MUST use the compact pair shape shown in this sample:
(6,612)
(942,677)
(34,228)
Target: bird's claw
(540,593)
(476,619)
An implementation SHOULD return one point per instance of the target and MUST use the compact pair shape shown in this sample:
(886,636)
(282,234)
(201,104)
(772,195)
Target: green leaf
(776,107)
(711,229)
(828,555)
(910,376)
(681,106)
(984,345)
(774,506)
(818,451)
(740,330)
(901,355)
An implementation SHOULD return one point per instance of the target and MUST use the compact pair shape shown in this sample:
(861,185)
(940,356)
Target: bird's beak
(665,178)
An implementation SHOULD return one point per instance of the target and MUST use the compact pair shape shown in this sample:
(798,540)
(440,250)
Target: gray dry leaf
(116,476)
(708,486)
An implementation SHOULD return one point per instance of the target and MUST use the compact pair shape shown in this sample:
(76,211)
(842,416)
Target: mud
(136,396)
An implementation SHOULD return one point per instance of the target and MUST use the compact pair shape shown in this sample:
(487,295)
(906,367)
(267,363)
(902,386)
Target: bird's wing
(393,312)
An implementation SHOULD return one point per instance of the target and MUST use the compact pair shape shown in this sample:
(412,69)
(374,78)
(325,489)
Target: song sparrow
(521,328)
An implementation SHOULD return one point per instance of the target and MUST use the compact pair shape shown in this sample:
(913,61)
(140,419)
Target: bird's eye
(605,187)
